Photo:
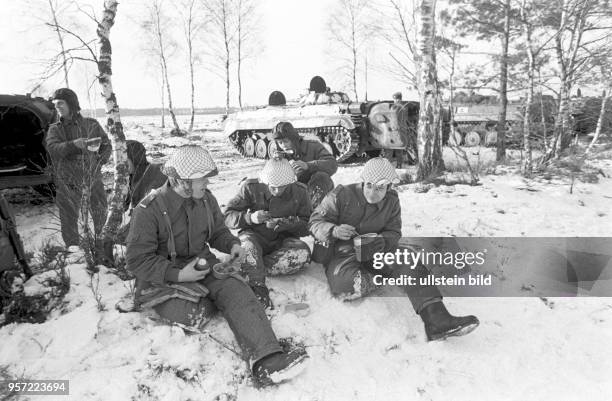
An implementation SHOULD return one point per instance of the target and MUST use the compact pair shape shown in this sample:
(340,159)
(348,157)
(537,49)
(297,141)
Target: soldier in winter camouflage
(168,252)
(312,163)
(271,214)
(372,207)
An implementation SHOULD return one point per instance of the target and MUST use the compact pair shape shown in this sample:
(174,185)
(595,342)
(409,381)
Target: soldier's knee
(288,261)
(185,312)
(350,287)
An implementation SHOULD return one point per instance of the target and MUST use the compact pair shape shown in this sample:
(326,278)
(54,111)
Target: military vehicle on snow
(344,127)
(24,121)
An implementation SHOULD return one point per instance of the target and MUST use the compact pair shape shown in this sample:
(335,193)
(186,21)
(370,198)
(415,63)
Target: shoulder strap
(164,211)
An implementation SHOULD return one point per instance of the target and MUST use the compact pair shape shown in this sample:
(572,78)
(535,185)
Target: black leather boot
(263,296)
(278,367)
(439,324)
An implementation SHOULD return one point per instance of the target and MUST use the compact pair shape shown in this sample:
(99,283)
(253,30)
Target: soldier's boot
(440,324)
(279,367)
(263,295)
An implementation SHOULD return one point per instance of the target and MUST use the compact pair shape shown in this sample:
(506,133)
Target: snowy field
(373,349)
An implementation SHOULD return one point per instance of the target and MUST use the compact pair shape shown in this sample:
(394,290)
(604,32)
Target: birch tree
(247,37)
(157,25)
(114,127)
(192,24)
(220,40)
(429,138)
(349,30)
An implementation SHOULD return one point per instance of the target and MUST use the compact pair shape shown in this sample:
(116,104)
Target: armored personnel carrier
(343,126)
(24,121)
(477,124)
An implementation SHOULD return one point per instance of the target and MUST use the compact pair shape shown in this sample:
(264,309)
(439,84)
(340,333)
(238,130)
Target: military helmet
(190,162)
(284,129)
(69,97)
(277,172)
(379,171)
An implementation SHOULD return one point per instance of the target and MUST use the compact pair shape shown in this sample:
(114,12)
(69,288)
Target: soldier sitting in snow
(372,207)
(271,213)
(168,252)
(312,163)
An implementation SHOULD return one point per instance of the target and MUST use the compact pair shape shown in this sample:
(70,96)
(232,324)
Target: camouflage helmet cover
(277,172)
(379,171)
(190,162)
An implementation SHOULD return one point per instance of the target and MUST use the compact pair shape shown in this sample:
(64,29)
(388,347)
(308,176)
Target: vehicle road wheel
(261,148)
(249,147)
(472,139)
(272,149)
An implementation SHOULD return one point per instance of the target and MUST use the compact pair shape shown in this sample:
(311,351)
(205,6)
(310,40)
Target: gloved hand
(299,166)
(260,216)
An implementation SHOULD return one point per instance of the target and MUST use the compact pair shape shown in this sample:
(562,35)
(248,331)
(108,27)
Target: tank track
(343,142)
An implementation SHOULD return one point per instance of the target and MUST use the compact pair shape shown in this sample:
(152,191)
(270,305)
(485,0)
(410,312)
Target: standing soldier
(271,214)
(168,252)
(372,207)
(312,163)
(78,147)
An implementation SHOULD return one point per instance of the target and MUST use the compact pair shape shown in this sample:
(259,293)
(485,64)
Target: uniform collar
(174,201)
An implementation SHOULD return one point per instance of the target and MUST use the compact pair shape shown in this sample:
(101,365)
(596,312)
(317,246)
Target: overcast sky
(295,49)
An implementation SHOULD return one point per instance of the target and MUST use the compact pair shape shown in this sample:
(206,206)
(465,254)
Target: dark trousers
(319,184)
(69,204)
(279,257)
(350,279)
(239,306)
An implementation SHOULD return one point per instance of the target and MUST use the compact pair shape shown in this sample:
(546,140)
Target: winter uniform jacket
(193,228)
(347,205)
(253,196)
(316,157)
(68,160)
(152,178)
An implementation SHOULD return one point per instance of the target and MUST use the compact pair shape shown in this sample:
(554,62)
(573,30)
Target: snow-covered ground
(372,349)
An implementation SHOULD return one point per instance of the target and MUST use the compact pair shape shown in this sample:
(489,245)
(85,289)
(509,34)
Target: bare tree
(401,36)
(114,126)
(220,39)
(247,23)
(157,25)
(74,43)
(192,24)
(53,8)
(429,139)
(349,30)
(582,30)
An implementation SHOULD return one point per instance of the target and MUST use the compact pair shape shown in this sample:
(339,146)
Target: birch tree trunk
(429,141)
(503,89)
(527,161)
(163,97)
(114,127)
(189,32)
(602,116)
(226,41)
(239,53)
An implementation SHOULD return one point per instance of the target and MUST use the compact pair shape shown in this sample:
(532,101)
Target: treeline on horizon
(157,111)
